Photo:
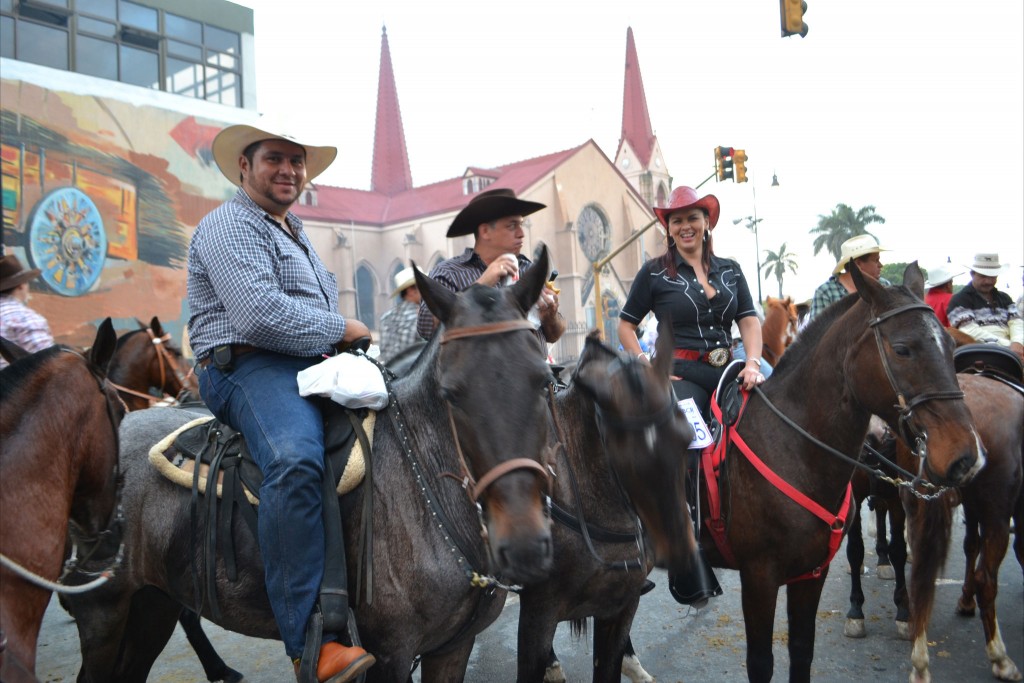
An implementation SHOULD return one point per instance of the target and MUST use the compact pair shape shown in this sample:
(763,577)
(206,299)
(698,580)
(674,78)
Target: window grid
(147,47)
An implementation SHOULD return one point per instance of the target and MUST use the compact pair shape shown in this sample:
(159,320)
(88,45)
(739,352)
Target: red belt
(689,354)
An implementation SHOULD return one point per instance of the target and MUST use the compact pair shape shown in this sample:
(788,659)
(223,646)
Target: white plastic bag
(349,379)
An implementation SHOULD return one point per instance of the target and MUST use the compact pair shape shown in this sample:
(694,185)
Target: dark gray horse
(482,378)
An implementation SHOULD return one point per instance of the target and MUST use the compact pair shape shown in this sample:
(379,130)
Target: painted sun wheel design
(594,233)
(67,242)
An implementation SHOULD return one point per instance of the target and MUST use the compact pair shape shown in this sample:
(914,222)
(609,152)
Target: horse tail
(930,524)
(578,628)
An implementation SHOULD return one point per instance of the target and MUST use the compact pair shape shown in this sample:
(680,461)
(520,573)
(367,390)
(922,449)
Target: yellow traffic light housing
(791,12)
(739,160)
(723,163)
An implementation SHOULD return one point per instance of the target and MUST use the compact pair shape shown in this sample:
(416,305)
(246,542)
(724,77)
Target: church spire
(390,174)
(636,121)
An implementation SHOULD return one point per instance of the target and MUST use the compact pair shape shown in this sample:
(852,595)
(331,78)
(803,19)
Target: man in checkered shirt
(19,323)
(264,307)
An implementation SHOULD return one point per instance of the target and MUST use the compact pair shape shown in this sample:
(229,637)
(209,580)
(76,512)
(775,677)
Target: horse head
(907,378)
(492,374)
(646,436)
(147,361)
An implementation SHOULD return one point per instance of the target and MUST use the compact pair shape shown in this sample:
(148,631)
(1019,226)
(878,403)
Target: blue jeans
(285,433)
(741,353)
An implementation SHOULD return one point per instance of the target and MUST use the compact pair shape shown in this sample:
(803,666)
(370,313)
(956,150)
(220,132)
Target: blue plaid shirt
(251,282)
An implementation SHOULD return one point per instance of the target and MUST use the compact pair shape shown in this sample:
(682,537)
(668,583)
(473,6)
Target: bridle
(112,533)
(165,362)
(911,433)
(476,487)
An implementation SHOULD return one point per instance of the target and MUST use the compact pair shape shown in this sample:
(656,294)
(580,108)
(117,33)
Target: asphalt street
(675,644)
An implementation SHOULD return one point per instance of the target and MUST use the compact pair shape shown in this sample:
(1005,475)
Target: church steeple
(636,120)
(639,155)
(391,173)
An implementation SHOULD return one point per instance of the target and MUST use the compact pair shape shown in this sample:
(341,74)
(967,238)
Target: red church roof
(340,204)
(636,120)
(391,173)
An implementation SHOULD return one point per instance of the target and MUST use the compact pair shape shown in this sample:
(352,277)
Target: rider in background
(985,313)
(398,325)
(863,250)
(939,290)
(19,323)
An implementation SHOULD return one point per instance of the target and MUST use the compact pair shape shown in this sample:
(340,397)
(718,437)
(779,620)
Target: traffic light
(791,12)
(739,160)
(723,163)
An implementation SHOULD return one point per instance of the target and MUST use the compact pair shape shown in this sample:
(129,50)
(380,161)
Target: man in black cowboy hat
(495,218)
(19,323)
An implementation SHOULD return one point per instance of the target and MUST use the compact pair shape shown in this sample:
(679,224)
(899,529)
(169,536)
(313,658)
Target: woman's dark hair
(668,259)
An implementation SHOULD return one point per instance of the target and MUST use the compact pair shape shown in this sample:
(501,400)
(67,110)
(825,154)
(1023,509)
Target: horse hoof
(855,629)
(232,676)
(554,673)
(903,630)
(885,572)
(965,609)
(632,670)
(1006,671)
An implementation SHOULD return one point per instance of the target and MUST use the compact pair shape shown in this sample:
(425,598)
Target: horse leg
(802,600)
(898,556)
(996,539)
(972,545)
(883,568)
(213,666)
(101,626)
(854,627)
(152,617)
(553,672)
(449,666)
(537,624)
(610,636)
(759,594)
(631,667)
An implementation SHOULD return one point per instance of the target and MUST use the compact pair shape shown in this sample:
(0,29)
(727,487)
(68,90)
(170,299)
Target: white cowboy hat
(941,275)
(987,264)
(404,280)
(854,248)
(232,141)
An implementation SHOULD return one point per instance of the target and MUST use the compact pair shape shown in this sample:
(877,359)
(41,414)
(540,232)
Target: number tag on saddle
(701,433)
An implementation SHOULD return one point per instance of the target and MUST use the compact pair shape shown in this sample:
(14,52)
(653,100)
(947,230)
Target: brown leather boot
(340,664)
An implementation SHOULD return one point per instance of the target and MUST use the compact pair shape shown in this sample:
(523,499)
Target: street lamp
(752,222)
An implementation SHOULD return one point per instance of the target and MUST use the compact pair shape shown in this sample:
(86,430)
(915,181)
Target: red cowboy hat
(490,206)
(686,197)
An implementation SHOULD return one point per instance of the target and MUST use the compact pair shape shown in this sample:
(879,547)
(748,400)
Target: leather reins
(165,361)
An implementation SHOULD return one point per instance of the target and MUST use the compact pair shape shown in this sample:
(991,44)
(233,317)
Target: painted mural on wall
(102,196)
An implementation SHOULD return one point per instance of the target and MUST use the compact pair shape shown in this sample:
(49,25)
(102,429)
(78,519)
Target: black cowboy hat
(490,206)
(12,273)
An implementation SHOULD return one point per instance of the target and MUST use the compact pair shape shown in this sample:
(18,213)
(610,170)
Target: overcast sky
(914,107)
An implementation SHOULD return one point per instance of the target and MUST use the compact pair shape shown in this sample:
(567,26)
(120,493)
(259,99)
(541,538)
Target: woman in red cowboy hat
(701,294)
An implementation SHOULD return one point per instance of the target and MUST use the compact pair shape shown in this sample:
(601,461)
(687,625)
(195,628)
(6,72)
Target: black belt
(236,350)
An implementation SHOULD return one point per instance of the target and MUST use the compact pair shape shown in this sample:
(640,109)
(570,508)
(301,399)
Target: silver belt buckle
(718,357)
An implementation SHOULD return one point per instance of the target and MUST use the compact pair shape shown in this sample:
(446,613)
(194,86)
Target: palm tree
(843,224)
(778,262)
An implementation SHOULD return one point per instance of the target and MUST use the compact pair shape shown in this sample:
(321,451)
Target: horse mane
(123,339)
(15,376)
(815,330)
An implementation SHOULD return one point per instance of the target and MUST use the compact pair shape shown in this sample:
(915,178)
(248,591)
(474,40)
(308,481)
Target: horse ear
(868,288)
(530,285)
(103,346)
(913,280)
(154,325)
(664,346)
(10,351)
(439,299)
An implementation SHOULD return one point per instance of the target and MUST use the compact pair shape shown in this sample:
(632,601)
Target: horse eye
(901,350)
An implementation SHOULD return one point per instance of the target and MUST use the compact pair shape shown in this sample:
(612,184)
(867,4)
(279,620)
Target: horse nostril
(959,471)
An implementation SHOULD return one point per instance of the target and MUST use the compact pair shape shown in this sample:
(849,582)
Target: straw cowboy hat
(987,264)
(232,141)
(12,273)
(405,279)
(941,275)
(686,197)
(490,206)
(854,248)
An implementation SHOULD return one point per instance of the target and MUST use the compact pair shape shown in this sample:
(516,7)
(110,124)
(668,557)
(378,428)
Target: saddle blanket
(169,462)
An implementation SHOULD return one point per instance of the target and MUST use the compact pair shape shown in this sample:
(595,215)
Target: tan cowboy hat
(854,248)
(686,197)
(12,273)
(490,206)
(232,141)
(941,275)
(405,279)
(987,264)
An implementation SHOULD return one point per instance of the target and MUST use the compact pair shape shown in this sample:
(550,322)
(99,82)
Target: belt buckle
(718,357)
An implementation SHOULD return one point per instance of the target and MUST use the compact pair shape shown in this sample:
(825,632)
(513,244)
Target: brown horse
(147,369)
(779,328)
(620,426)
(880,352)
(58,459)
(990,501)
(473,406)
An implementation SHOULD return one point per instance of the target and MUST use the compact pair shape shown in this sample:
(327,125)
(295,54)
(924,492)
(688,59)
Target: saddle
(990,360)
